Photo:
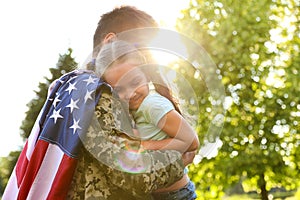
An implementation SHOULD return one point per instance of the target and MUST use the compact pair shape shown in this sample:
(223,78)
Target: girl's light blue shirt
(151,110)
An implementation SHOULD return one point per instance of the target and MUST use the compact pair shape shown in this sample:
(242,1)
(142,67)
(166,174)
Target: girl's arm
(182,136)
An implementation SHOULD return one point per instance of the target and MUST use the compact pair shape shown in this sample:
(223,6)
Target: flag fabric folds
(48,160)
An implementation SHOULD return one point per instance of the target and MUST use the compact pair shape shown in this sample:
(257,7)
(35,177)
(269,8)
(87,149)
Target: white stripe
(44,179)
(11,190)
(33,137)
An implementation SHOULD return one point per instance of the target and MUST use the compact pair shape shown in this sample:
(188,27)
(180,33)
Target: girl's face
(129,82)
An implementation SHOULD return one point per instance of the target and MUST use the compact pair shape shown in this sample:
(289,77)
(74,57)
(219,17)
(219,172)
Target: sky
(34,33)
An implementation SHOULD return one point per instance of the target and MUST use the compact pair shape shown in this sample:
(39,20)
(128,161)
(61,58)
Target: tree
(255,45)
(66,63)
(6,166)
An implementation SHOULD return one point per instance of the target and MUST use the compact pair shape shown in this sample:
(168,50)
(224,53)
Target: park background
(255,46)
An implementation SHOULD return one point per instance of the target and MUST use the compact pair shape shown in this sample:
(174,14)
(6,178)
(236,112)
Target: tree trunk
(262,186)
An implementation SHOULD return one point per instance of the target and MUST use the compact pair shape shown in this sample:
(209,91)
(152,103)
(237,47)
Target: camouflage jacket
(109,169)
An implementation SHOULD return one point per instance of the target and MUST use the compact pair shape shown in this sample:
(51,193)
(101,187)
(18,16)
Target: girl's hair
(160,85)
(119,51)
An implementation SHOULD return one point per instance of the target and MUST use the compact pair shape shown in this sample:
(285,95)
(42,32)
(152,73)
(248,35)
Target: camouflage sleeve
(138,173)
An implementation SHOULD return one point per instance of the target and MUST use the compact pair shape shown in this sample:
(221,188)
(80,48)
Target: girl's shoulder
(156,101)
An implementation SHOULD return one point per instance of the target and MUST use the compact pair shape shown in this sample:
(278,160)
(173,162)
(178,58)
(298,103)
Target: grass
(274,196)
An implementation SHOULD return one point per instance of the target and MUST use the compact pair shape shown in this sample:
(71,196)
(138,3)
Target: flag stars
(90,80)
(73,104)
(88,95)
(56,115)
(71,87)
(56,100)
(75,125)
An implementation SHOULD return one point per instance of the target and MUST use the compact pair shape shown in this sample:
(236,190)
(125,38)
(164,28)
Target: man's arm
(136,172)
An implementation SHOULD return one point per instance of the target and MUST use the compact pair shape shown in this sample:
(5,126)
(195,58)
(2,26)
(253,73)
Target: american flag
(47,163)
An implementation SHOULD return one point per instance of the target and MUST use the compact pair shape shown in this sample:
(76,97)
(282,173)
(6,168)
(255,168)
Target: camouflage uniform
(106,170)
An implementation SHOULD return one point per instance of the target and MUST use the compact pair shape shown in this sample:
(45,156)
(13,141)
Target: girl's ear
(109,37)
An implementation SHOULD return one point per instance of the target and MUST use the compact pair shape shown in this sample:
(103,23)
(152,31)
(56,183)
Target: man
(126,185)
(98,169)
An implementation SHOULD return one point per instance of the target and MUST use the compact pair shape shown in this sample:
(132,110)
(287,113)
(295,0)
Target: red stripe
(32,168)
(21,165)
(63,178)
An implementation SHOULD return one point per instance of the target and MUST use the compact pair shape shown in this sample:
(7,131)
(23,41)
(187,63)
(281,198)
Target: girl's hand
(188,157)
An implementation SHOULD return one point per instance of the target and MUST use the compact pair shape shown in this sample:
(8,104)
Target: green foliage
(6,166)
(66,63)
(255,45)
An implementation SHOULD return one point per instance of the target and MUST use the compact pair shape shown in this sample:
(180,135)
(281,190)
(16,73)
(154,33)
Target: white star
(71,87)
(88,96)
(90,80)
(73,104)
(56,115)
(75,126)
(56,100)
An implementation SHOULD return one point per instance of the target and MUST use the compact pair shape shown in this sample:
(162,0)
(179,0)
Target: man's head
(118,20)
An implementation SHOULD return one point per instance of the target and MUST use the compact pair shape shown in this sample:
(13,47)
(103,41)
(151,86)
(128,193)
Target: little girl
(157,117)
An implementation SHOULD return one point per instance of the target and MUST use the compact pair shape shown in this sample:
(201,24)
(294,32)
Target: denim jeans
(185,193)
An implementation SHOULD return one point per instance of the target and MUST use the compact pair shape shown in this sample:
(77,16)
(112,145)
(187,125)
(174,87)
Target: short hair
(121,19)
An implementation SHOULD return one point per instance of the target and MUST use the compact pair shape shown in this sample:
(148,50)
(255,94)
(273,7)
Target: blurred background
(254,44)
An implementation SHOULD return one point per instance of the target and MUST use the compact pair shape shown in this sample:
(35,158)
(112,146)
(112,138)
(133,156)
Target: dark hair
(121,19)
(160,85)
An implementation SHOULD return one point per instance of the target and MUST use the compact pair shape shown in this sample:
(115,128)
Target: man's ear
(109,37)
